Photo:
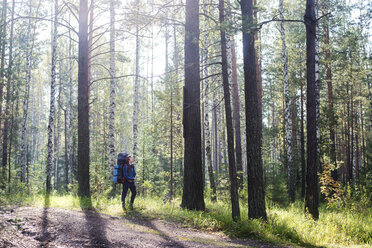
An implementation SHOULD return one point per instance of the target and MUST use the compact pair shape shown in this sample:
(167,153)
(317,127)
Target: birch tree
(52,101)
(207,108)
(291,172)
(111,136)
(136,89)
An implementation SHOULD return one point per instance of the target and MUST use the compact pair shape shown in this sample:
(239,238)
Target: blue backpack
(118,176)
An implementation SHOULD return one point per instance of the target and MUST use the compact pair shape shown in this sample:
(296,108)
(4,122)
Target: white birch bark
(135,96)
(207,109)
(111,136)
(52,100)
(317,84)
(291,181)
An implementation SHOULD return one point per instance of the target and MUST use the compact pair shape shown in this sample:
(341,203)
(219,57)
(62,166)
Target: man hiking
(129,173)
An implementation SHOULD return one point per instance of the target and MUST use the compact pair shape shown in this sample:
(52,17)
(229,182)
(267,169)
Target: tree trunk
(256,193)
(229,123)
(30,44)
(332,120)
(287,120)
(215,134)
(83,103)
(2,65)
(311,197)
(111,135)
(136,88)
(192,197)
(303,162)
(52,101)
(206,113)
(236,115)
(8,100)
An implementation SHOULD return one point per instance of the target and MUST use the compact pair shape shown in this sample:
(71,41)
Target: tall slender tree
(311,197)
(229,122)
(327,64)
(256,193)
(52,100)
(2,61)
(287,119)
(236,115)
(136,86)
(111,135)
(83,103)
(193,196)
(8,88)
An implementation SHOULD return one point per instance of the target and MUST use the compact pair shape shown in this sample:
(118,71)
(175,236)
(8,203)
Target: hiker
(129,172)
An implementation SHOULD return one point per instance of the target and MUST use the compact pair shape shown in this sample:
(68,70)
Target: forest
(248,117)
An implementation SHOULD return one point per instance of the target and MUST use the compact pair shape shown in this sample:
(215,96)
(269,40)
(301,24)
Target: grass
(285,225)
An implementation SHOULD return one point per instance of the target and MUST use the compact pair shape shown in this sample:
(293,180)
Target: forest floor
(53,227)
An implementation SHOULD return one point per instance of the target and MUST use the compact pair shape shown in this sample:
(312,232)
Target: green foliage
(330,188)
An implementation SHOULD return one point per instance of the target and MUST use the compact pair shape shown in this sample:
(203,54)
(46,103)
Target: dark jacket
(129,171)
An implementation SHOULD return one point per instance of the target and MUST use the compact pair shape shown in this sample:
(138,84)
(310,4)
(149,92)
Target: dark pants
(132,187)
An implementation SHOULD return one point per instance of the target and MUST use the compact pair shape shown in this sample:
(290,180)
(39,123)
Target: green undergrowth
(285,225)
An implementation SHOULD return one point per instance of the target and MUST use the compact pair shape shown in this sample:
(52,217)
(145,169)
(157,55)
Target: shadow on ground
(95,225)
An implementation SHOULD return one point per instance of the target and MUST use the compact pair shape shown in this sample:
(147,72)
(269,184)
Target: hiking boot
(131,206)
(123,206)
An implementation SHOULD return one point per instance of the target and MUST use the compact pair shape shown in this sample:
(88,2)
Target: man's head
(130,160)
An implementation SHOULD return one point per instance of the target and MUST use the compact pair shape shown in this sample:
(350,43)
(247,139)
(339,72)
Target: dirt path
(50,227)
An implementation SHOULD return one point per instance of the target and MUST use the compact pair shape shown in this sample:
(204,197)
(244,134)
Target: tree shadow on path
(95,225)
(138,218)
(45,235)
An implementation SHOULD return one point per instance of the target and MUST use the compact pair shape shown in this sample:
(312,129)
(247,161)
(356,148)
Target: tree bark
(111,135)
(229,122)
(311,197)
(236,115)
(303,162)
(83,103)
(332,120)
(206,113)
(52,101)
(256,193)
(2,63)
(30,45)
(192,197)
(287,119)
(8,100)
(136,88)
